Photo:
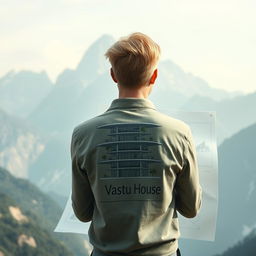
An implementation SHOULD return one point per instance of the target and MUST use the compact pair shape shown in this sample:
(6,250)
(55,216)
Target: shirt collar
(131,103)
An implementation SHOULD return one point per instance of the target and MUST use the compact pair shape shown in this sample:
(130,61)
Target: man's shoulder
(87,126)
(168,123)
(172,124)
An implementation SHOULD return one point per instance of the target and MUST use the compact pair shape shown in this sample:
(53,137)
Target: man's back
(133,167)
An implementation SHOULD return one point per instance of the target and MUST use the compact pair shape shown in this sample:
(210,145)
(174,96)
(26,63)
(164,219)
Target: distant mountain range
(174,87)
(88,90)
(20,144)
(21,92)
(237,195)
(93,63)
(27,220)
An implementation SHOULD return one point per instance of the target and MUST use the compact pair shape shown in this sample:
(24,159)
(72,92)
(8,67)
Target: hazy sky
(213,39)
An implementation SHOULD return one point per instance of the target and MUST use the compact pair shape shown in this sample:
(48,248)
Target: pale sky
(213,39)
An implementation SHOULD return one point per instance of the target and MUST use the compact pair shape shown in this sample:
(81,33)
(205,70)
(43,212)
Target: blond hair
(133,59)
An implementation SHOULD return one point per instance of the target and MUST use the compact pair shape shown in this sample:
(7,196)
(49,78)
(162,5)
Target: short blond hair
(133,59)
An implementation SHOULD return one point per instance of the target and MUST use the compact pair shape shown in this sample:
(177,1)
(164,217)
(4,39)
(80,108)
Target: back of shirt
(132,168)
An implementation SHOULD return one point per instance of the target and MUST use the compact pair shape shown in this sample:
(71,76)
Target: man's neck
(126,93)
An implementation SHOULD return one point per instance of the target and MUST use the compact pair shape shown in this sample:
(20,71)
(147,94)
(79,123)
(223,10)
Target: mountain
(54,113)
(21,234)
(42,214)
(174,78)
(74,98)
(93,62)
(32,94)
(232,114)
(20,144)
(237,194)
(21,92)
(60,110)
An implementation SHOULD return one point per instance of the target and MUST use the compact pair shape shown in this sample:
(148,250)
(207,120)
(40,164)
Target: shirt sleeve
(187,188)
(82,197)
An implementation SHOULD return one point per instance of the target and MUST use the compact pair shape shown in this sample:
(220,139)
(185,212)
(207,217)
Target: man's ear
(113,75)
(154,76)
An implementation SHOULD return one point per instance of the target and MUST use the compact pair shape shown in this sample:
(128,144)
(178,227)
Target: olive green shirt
(133,168)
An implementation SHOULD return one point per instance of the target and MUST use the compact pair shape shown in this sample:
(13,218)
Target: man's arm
(188,190)
(82,196)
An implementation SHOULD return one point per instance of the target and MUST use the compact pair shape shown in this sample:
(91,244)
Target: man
(133,167)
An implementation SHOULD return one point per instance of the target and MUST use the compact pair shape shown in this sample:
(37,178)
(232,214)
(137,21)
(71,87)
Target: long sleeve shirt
(133,168)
